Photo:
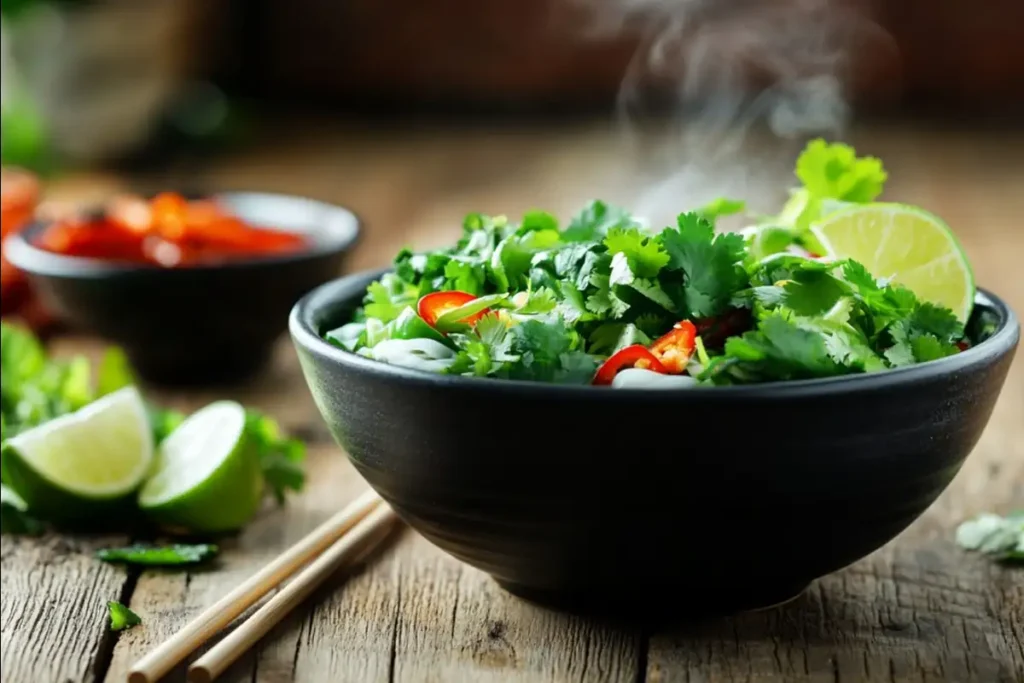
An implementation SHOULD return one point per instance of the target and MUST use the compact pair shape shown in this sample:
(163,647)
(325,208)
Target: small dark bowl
(653,502)
(203,324)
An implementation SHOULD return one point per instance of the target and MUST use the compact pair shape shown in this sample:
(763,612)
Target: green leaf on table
(159,556)
(121,617)
(1001,538)
(14,515)
(281,458)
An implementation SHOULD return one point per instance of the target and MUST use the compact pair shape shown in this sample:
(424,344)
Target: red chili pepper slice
(433,305)
(635,356)
(675,348)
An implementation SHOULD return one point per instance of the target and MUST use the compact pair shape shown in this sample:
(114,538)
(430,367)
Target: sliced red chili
(434,305)
(635,356)
(962,345)
(674,348)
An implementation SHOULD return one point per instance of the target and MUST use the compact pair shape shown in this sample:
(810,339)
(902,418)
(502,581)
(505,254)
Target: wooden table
(920,609)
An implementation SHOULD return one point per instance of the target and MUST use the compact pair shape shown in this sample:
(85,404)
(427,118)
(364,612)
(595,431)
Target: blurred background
(414,113)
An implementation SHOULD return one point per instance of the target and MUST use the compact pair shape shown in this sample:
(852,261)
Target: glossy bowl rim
(304,334)
(34,261)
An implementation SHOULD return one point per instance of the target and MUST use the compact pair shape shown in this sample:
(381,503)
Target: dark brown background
(964,56)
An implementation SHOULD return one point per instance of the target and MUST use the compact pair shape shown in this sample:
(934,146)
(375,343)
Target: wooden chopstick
(363,537)
(162,659)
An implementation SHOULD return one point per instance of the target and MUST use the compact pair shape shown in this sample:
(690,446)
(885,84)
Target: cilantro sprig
(561,299)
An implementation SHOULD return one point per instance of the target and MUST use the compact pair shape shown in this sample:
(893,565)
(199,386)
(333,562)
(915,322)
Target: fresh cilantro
(645,256)
(464,276)
(280,458)
(14,516)
(721,206)
(562,301)
(608,338)
(1001,538)
(548,352)
(387,297)
(121,617)
(539,301)
(595,221)
(833,171)
(781,349)
(710,263)
(159,556)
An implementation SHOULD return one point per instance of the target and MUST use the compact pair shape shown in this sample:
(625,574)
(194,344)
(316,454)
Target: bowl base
(701,604)
(200,371)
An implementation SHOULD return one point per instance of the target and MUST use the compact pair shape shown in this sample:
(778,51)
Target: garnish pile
(577,304)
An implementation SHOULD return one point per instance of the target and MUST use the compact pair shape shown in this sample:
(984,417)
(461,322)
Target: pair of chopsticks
(344,538)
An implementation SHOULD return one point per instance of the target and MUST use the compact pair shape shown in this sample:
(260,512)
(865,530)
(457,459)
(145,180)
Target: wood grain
(920,609)
(54,608)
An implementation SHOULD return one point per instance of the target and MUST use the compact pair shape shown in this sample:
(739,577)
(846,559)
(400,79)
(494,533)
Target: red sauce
(168,231)
(19,195)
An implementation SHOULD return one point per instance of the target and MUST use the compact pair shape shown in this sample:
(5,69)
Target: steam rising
(748,82)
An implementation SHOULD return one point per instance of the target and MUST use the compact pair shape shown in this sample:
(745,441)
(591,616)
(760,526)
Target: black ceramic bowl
(687,501)
(202,324)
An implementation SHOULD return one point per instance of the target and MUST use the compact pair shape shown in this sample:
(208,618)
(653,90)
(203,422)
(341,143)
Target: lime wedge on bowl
(83,464)
(906,245)
(207,475)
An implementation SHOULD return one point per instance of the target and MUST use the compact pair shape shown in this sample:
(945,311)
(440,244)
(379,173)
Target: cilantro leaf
(464,276)
(623,275)
(834,171)
(159,556)
(711,264)
(280,458)
(595,221)
(643,253)
(538,301)
(579,263)
(547,351)
(608,338)
(721,206)
(121,617)
(387,297)
(811,292)
(603,301)
(780,349)
(1001,538)
(14,515)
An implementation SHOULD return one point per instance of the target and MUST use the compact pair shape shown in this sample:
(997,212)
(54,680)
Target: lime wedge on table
(905,244)
(80,465)
(207,474)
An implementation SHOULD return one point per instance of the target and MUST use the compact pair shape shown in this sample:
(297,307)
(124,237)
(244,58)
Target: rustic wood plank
(168,600)
(53,608)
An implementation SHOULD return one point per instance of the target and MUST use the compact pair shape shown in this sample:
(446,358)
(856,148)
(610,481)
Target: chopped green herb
(14,516)
(159,556)
(559,301)
(1001,538)
(121,617)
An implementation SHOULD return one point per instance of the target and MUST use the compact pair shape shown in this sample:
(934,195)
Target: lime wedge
(207,475)
(79,465)
(906,245)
